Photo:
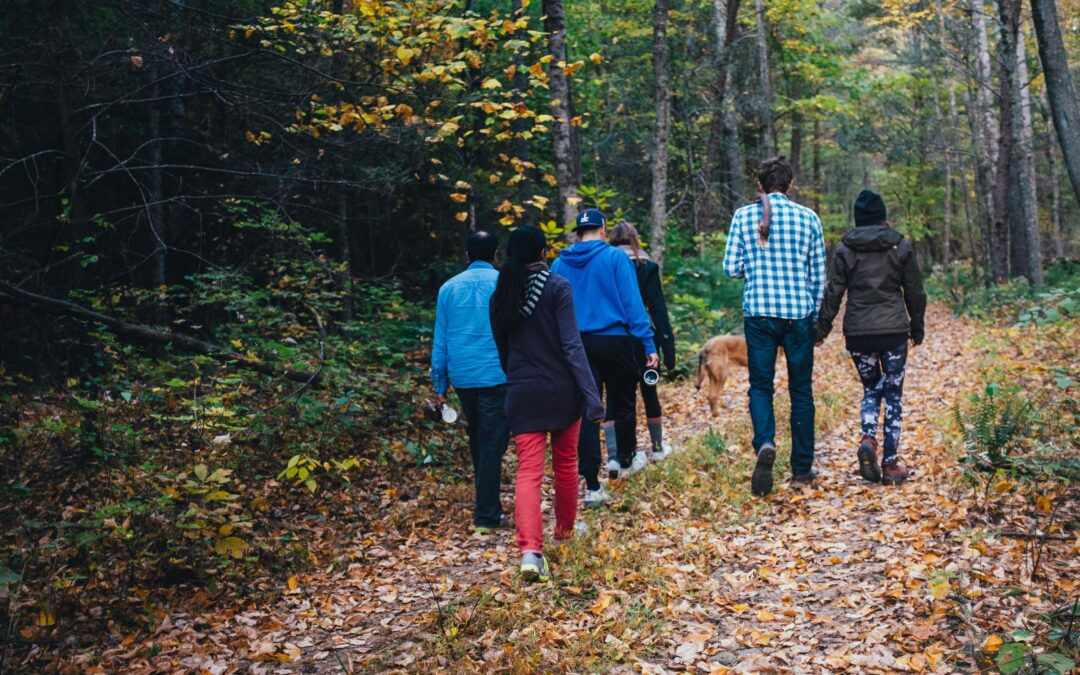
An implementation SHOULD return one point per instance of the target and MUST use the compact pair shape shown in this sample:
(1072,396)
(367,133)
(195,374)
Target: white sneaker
(596,498)
(639,463)
(661,453)
(614,470)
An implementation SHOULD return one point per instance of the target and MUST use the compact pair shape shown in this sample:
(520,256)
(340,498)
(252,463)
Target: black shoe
(868,462)
(504,523)
(761,480)
(804,478)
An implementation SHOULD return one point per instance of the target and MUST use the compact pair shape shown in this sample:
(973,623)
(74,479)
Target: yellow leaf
(991,644)
(458,197)
(461,216)
(46,618)
(292,583)
(405,54)
(595,58)
(601,604)
(491,83)
(233,547)
(1042,503)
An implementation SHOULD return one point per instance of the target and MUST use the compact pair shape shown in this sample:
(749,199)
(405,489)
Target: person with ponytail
(549,387)
(625,237)
(776,246)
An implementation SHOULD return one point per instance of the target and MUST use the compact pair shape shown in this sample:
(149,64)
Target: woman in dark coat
(886,305)
(625,236)
(548,388)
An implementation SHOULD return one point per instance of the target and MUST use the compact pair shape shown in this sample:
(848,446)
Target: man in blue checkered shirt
(776,246)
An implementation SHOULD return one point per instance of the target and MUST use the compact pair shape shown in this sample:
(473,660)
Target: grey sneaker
(761,481)
(534,567)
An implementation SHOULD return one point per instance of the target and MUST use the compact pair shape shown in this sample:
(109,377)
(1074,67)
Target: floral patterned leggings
(882,375)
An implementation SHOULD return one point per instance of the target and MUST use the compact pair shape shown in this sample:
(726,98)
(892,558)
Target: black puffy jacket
(652,293)
(877,268)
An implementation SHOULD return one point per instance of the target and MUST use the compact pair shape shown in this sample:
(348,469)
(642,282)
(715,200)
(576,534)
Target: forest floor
(684,571)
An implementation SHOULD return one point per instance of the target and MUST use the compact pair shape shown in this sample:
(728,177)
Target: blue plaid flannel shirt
(784,279)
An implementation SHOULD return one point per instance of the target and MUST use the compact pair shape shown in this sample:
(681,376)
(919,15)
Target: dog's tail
(700,368)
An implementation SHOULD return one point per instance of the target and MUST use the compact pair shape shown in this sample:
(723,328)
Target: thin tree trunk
(816,167)
(765,105)
(342,219)
(566,173)
(662,99)
(795,154)
(948,134)
(733,150)
(521,125)
(707,202)
(986,136)
(1028,254)
(1055,200)
(999,235)
(1060,87)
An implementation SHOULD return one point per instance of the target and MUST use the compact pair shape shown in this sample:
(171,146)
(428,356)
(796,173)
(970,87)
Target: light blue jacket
(464,352)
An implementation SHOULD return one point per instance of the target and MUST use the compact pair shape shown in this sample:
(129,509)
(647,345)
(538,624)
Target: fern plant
(995,423)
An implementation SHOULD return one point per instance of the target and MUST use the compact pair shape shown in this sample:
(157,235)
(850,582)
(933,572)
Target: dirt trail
(833,577)
(836,576)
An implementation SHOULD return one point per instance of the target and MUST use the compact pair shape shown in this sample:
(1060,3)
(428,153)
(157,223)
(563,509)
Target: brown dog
(719,355)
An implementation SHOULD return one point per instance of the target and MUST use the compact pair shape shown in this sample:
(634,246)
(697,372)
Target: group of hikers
(530,349)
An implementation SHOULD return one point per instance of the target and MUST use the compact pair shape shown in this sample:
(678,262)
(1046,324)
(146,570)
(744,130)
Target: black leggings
(650,397)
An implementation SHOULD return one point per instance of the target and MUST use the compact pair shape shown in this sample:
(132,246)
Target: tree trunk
(1060,87)
(765,105)
(342,220)
(1028,254)
(795,154)
(999,234)
(986,141)
(521,125)
(662,99)
(1055,200)
(947,146)
(707,202)
(566,172)
(816,167)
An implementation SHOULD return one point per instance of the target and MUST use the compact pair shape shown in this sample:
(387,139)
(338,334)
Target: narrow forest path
(684,572)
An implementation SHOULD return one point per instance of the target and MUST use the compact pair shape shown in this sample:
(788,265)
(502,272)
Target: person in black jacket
(625,236)
(886,305)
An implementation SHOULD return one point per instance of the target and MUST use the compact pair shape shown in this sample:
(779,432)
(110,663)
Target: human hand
(652,361)
(440,400)
(913,343)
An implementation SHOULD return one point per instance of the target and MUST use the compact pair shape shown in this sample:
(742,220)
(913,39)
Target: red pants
(564,460)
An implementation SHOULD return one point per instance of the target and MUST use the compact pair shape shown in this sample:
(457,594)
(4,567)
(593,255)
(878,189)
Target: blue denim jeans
(764,335)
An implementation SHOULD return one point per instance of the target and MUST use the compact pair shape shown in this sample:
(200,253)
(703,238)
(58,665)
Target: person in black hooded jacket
(625,237)
(876,266)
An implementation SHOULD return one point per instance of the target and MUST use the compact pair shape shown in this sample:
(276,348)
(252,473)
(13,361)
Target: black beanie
(869,209)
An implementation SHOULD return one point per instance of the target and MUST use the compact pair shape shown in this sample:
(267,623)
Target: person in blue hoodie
(611,317)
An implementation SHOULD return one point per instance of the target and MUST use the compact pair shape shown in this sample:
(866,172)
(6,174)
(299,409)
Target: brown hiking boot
(868,463)
(761,481)
(893,473)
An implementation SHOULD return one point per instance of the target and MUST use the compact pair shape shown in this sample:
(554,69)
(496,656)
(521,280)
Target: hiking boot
(534,567)
(504,523)
(614,469)
(868,464)
(761,480)
(893,473)
(805,478)
(596,498)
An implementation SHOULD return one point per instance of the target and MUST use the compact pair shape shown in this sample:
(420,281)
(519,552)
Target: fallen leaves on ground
(683,571)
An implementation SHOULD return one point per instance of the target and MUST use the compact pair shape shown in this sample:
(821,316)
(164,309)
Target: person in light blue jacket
(611,317)
(464,354)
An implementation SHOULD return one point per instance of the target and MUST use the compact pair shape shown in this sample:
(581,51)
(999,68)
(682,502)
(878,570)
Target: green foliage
(995,423)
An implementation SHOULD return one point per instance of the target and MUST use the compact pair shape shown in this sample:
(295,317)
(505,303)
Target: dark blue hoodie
(606,297)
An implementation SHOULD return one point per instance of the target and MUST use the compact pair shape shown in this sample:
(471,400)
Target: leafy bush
(995,423)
